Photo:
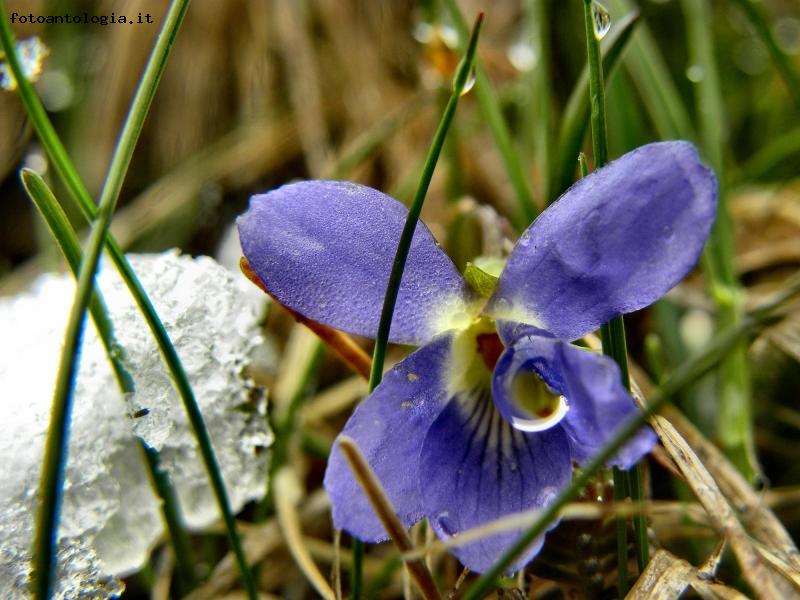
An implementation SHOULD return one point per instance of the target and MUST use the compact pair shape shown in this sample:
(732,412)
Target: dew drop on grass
(601,19)
(470,83)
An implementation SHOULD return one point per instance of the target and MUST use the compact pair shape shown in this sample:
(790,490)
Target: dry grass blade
(575,511)
(385,511)
(286,492)
(709,590)
(259,541)
(333,400)
(668,577)
(710,565)
(290,27)
(665,578)
(336,569)
(754,513)
(763,578)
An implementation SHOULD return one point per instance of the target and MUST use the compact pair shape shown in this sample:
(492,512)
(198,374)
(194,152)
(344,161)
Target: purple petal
(615,242)
(598,402)
(476,468)
(389,427)
(325,249)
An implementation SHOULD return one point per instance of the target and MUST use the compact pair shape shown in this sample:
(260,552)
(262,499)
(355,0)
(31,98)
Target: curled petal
(597,402)
(389,428)
(615,242)
(325,249)
(475,468)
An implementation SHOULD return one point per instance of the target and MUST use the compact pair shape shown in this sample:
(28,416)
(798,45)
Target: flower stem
(685,375)
(357,574)
(613,332)
(66,170)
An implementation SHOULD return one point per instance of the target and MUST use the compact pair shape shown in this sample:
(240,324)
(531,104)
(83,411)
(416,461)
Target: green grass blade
(66,170)
(64,235)
(756,14)
(612,333)
(576,114)
(489,105)
(67,240)
(404,245)
(357,572)
(541,92)
(734,413)
(652,78)
(56,446)
(685,375)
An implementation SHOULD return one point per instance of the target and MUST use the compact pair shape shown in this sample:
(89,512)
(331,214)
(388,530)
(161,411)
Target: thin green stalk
(641,541)
(404,245)
(66,170)
(597,98)
(173,517)
(613,332)
(541,86)
(685,375)
(734,413)
(67,240)
(56,446)
(621,525)
(489,106)
(755,12)
(357,572)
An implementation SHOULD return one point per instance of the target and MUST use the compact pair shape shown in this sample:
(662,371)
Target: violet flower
(489,415)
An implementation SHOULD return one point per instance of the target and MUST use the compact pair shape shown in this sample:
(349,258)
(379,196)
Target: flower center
(490,348)
(538,407)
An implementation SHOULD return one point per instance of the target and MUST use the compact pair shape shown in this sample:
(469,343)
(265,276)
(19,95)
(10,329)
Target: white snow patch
(110,517)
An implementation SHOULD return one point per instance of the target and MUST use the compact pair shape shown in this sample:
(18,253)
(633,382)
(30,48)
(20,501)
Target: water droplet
(695,73)
(412,376)
(406,404)
(469,83)
(522,55)
(601,19)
